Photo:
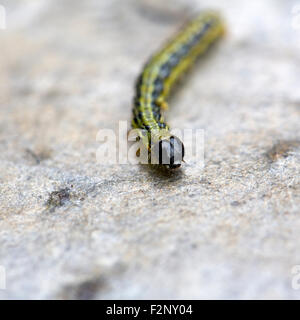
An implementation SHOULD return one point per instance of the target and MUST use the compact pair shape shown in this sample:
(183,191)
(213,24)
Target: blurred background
(73,229)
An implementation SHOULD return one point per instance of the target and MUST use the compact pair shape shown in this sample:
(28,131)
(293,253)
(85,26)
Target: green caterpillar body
(158,77)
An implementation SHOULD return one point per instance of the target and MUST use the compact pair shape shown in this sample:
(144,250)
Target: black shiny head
(169,152)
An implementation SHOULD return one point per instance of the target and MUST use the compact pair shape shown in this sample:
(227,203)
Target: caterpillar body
(158,77)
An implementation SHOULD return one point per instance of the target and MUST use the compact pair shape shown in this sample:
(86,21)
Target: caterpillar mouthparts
(157,79)
(170,152)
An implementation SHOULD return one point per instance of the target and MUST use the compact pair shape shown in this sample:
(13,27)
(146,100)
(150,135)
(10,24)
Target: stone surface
(73,228)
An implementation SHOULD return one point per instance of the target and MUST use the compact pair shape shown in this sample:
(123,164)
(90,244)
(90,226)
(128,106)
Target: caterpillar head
(169,152)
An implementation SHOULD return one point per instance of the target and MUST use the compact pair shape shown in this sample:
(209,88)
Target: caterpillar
(154,84)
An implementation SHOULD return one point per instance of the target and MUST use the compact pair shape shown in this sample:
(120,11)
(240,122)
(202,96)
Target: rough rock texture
(72,228)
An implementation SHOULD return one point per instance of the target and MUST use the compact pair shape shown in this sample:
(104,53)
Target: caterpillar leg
(162,104)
